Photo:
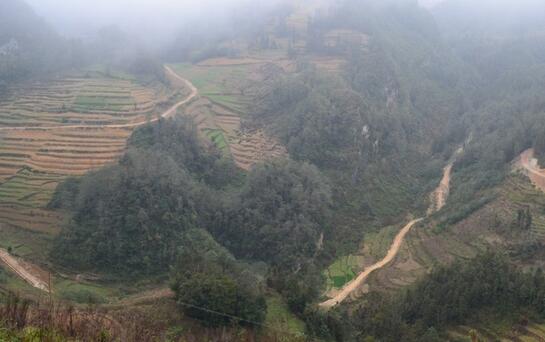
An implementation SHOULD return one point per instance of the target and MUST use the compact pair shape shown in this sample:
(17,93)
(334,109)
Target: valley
(438,199)
(307,170)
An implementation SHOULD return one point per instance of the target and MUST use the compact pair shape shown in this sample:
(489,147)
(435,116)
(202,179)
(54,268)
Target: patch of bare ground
(32,274)
(146,297)
(529,165)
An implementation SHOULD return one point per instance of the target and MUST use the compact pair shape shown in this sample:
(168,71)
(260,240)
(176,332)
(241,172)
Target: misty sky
(154,21)
(84,17)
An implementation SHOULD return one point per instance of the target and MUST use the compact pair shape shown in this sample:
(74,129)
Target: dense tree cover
(319,118)
(279,215)
(212,287)
(451,295)
(454,295)
(381,131)
(406,73)
(130,217)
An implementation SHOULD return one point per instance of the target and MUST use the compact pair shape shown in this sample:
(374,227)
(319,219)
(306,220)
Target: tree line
(169,194)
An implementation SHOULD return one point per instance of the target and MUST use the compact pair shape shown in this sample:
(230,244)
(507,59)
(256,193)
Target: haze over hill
(302,170)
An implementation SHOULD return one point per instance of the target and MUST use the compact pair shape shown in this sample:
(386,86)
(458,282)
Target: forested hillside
(343,170)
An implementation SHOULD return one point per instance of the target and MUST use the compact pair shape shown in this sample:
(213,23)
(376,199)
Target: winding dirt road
(16,266)
(21,271)
(170,112)
(360,279)
(439,199)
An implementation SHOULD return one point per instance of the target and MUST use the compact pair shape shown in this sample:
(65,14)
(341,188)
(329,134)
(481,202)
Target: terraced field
(89,101)
(530,333)
(59,128)
(224,86)
(489,226)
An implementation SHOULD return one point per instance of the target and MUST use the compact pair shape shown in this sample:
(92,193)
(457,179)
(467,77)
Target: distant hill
(28,44)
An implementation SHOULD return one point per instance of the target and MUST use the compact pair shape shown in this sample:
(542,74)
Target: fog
(494,16)
(153,21)
(157,23)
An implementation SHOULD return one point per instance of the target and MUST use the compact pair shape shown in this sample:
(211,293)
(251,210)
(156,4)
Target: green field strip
(227,102)
(217,136)
(342,271)
(281,318)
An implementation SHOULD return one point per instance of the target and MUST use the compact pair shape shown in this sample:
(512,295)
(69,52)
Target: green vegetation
(132,218)
(87,103)
(217,83)
(212,287)
(281,225)
(455,295)
(472,293)
(154,195)
(281,318)
(3,276)
(209,79)
(342,271)
(217,137)
(28,188)
(82,292)
(367,144)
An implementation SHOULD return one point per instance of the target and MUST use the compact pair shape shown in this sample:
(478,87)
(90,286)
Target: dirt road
(439,196)
(170,112)
(21,271)
(438,200)
(360,279)
(11,261)
(534,172)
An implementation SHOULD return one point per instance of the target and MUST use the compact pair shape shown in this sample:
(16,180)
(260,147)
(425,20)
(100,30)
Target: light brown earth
(439,198)
(360,279)
(25,273)
(529,164)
